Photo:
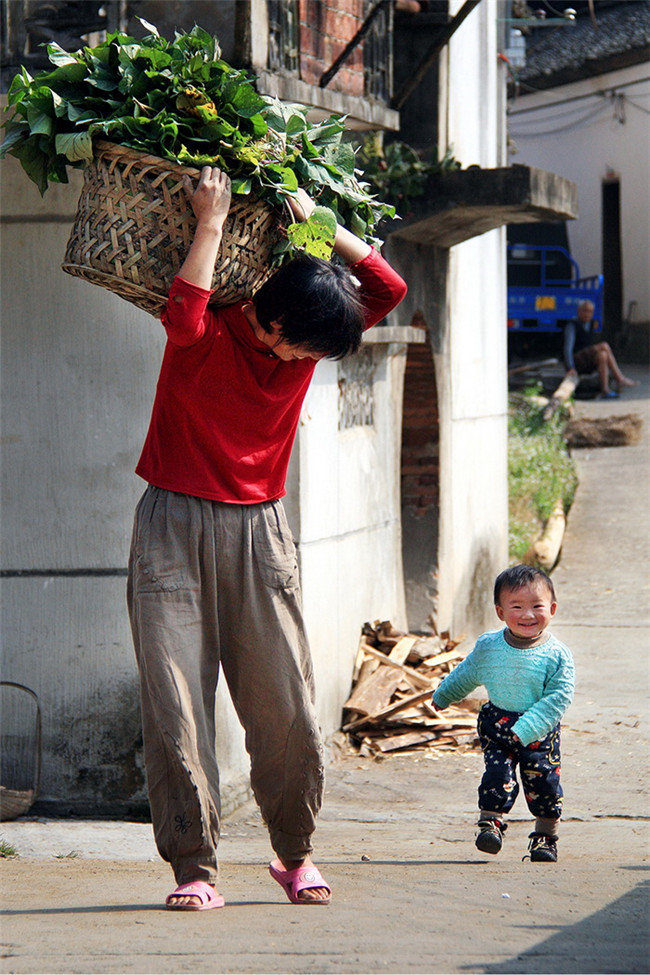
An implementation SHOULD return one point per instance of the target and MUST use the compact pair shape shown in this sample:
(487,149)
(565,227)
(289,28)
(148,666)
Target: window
(284,35)
(29,25)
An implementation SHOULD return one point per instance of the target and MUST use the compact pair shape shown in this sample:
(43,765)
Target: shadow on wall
(477,615)
(612,940)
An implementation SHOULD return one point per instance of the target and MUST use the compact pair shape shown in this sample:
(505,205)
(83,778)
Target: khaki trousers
(216,585)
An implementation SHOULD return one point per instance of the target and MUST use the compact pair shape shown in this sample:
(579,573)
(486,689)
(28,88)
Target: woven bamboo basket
(134,225)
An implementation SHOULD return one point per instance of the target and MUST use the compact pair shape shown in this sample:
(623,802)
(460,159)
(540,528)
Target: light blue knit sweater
(538,683)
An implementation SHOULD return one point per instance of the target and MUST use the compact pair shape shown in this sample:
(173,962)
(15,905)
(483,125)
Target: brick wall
(326,26)
(420,456)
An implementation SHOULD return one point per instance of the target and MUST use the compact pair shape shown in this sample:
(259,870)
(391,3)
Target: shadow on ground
(612,940)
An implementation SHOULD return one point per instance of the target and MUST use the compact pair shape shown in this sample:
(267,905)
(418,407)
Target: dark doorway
(420,485)
(612,259)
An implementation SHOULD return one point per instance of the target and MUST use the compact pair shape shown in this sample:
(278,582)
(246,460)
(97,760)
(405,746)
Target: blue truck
(544,291)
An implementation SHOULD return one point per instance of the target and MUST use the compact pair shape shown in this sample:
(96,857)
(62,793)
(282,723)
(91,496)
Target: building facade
(580,105)
(80,367)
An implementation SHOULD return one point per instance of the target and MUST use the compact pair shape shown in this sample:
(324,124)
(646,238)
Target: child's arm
(538,720)
(456,685)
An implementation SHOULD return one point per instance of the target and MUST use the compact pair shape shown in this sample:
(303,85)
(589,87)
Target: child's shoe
(490,836)
(543,848)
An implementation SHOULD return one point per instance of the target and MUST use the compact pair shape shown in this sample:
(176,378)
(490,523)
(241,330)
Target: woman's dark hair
(317,305)
(520,575)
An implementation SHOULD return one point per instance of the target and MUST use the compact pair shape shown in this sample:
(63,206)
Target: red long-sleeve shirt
(226,412)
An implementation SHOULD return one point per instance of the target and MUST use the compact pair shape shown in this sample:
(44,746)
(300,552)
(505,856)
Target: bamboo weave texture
(134,225)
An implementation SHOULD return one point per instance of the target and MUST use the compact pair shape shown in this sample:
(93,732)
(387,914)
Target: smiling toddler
(529,677)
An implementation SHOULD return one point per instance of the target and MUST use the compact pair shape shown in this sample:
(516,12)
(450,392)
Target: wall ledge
(363,113)
(465,203)
(405,334)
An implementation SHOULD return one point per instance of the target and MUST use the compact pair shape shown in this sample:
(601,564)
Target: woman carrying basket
(213,579)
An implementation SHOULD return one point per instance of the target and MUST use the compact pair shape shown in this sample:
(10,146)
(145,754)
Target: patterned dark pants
(539,766)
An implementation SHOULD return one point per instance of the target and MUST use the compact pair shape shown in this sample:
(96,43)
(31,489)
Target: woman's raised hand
(211,198)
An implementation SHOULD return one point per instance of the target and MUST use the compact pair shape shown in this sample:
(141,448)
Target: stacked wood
(394,677)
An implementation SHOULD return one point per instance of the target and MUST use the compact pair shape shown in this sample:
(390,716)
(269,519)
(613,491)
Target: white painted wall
(579,131)
(78,372)
(471,361)
(349,520)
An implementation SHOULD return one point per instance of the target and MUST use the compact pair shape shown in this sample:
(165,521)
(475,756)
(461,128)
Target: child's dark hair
(316,304)
(520,575)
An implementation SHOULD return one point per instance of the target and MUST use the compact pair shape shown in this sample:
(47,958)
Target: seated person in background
(583,355)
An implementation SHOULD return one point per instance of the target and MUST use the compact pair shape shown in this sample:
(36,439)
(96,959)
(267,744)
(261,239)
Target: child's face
(526,611)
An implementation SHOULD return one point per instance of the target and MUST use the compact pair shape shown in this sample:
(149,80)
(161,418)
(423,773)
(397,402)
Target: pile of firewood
(390,707)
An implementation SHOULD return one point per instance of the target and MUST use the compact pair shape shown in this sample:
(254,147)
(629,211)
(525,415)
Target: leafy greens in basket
(179,100)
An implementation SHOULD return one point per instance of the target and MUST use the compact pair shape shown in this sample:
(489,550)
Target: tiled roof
(621,34)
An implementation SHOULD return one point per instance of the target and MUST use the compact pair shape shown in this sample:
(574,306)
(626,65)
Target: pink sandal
(295,881)
(205,892)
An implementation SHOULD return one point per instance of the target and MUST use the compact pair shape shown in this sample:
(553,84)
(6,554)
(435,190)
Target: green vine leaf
(316,234)
(75,147)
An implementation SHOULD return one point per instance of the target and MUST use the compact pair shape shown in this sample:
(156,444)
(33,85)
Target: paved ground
(411,893)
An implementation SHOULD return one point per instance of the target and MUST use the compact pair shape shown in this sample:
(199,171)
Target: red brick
(310,42)
(420,461)
(349,82)
(310,69)
(341,27)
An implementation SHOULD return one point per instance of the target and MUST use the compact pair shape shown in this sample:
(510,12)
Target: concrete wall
(462,295)
(472,363)
(345,508)
(582,132)
(78,372)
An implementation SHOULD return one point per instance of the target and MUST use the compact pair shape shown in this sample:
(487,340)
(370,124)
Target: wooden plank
(373,718)
(429,722)
(545,551)
(402,648)
(373,693)
(359,661)
(407,740)
(411,672)
(565,390)
(532,366)
(442,658)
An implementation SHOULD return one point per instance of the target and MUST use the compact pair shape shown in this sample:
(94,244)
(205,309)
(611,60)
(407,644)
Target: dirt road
(411,892)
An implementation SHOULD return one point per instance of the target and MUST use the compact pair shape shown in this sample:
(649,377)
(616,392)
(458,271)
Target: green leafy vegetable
(179,100)
(316,234)
(397,172)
